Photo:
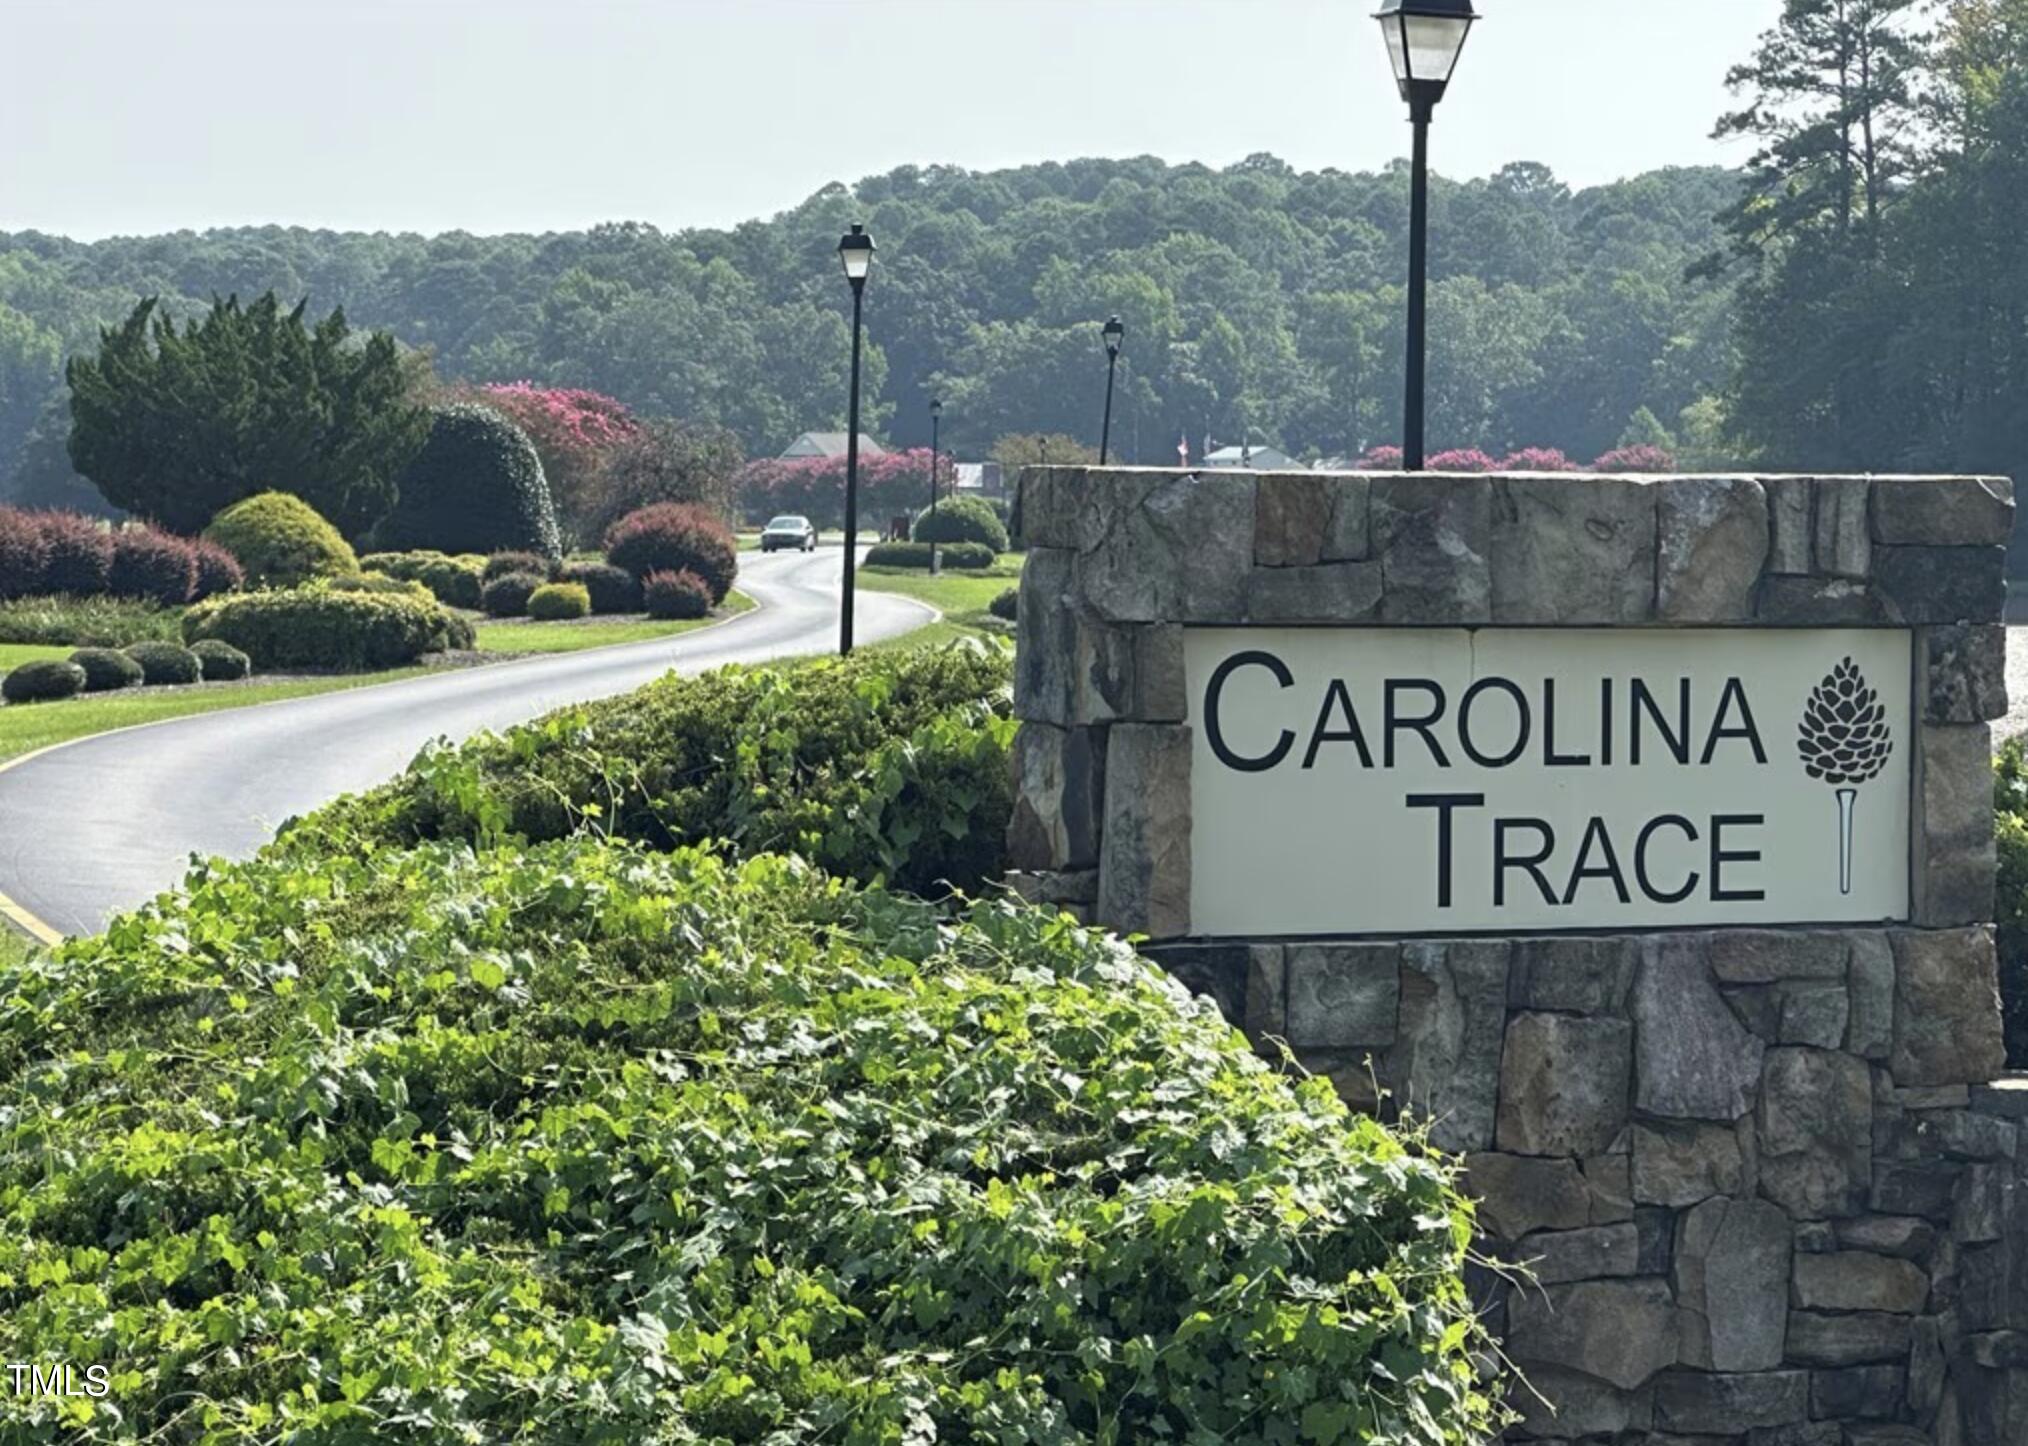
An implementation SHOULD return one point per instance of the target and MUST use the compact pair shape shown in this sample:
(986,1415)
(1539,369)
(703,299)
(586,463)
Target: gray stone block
(1059,789)
(1731,1279)
(1967,672)
(1983,1205)
(1619,1331)
(1598,1252)
(1963,1135)
(1858,1393)
(1444,1065)
(1955,855)
(1946,1007)
(1291,514)
(1942,584)
(1521,1194)
(1791,524)
(1844,542)
(1797,1433)
(1713,542)
(1573,550)
(1901,1188)
(1560,1405)
(1432,535)
(1927,1367)
(1943,511)
(1219,972)
(1563,1084)
(1816,1132)
(2006,1097)
(1347,539)
(1765,956)
(1609,1178)
(1575,975)
(1267,1007)
(1333,592)
(1861,1338)
(1813,1014)
(1055,507)
(1870,1029)
(1681,1164)
(1693,1058)
(1726,1405)
(1856,1280)
(1144,856)
(1821,602)
(1171,547)
(1907,1236)
(1344,996)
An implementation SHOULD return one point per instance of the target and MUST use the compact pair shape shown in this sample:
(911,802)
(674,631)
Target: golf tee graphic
(1844,741)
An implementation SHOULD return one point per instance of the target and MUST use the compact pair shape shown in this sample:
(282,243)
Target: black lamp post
(855,249)
(936,423)
(1115,333)
(1424,40)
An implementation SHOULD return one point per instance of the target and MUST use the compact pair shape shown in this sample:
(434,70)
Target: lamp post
(1115,333)
(855,250)
(1424,40)
(936,423)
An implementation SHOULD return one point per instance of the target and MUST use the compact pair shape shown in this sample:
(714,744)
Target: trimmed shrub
(888,765)
(676,595)
(476,486)
(24,554)
(502,563)
(42,681)
(1462,459)
(218,571)
(612,589)
(1641,458)
(86,622)
(966,556)
(1007,605)
(166,664)
(1538,459)
(315,628)
(149,563)
(77,554)
(962,519)
(376,582)
(107,669)
(556,602)
(581,1145)
(454,581)
(507,596)
(222,662)
(675,537)
(280,541)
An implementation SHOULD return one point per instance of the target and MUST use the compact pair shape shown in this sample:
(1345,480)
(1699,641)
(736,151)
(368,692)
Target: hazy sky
(123,116)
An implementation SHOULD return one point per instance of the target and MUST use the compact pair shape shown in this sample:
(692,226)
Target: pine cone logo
(1845,741)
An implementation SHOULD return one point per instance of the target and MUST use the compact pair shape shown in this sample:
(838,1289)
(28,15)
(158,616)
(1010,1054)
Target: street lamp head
(1424,40)
(855,249)
(1115,334)
(936,406)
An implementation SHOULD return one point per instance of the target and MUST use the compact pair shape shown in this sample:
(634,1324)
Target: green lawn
(961,596)
(594,632)
(13,948)
(13,655)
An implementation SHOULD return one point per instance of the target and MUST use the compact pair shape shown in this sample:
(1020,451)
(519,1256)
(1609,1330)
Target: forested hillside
(1256,298)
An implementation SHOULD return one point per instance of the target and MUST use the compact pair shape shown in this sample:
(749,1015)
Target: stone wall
(1771,1187)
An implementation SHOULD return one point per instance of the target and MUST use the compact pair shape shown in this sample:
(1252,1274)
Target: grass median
(962,597)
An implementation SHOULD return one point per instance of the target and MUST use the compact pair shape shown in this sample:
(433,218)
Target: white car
(787,531)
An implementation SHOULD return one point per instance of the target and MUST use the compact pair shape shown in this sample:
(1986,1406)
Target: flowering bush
(1379,459)
(574,432)
(680,594)
(78,555)
(24,553)
(814,487)
(1635,459)
(218,571)
(149,563)
(1538,459)
(1462,459)
(675,537)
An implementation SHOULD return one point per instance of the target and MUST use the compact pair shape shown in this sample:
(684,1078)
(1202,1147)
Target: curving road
(97,826)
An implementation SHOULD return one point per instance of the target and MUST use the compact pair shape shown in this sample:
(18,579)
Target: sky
(141,116)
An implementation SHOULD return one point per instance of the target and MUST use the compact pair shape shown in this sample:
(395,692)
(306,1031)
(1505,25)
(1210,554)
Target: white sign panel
(1353,781)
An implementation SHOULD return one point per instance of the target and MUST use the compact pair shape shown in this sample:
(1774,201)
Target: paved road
(103,824)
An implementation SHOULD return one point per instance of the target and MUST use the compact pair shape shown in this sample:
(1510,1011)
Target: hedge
(24,554)
(377,582)
(42,681)
(107,669)
(582,1144)
(966,556)
(502,563)
(674,596)
(962,519)
(280,540)
(455,581)
(507,595)
(222,662)
(218,571)
(675,537)
(556,602)
(883,766)
(476,486)
(328,631)
(166,665)
(148,563)
(77,559)
(612,589)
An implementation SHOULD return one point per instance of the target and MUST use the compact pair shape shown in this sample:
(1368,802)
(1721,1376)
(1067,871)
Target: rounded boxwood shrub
(218,571)
(579,1144)
(377,582)
(612,589)
(502,563)
(454,581)
(316,628)
(107,669)
(557,602)
(24,555)
(675,537)
(43,681)
(507,596)
(149,563)
(280,540)
(77,554)
(965,556)
(476,486)
(962,519)
(676,595)
(165,664)
(1006,605)
(222,662)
